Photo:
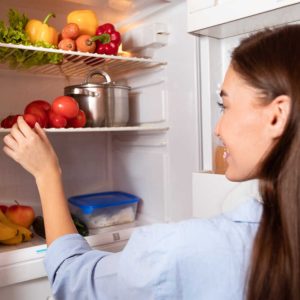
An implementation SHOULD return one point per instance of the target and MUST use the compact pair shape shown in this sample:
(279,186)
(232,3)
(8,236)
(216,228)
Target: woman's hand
(31,149)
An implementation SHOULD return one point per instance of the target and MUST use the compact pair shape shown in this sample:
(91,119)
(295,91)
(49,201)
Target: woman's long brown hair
(270,61)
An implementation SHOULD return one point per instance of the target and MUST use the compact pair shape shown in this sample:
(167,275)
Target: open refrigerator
(175,54)
(143,158)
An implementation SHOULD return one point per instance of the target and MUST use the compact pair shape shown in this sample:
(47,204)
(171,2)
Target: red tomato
(78,121)
(9,121)
(3,123)
(15,118)
(39,112)
(31,119)
(65,106)
(56,121)
(43,104)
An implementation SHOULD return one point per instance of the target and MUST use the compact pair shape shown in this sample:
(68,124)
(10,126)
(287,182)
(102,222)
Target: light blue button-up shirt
(194,259)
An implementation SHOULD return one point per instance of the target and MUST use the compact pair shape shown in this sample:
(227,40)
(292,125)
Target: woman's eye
(221,106)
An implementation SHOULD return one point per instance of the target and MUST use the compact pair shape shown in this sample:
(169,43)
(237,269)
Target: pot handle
(97,72)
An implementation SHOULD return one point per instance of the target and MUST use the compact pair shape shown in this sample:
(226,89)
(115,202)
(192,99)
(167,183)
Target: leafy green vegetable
(14,33)
(39,226)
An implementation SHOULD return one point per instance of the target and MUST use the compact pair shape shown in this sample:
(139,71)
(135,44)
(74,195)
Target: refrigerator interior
(153,157)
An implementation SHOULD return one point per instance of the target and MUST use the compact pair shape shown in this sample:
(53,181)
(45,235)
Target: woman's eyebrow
(223,93)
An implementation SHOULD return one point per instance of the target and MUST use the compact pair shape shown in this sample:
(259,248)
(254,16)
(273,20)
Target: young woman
(249,253)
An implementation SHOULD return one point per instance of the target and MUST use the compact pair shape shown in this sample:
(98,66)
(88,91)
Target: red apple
(20,214)
(3,208)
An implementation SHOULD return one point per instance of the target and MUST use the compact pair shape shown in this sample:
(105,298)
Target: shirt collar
(249,211)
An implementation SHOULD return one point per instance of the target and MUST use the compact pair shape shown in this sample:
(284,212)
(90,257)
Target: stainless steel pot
(103,103)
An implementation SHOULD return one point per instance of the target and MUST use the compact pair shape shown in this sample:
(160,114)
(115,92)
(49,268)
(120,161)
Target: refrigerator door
(213,194)
(220,28)
(225,18)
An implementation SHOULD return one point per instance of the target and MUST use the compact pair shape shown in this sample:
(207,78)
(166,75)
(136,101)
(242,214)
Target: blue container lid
(89,202)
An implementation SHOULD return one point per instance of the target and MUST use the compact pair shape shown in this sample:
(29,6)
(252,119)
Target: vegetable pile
(63,112)
(81,33)
(15,33)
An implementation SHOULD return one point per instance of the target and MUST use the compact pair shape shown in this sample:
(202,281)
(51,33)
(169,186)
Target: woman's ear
(279,113)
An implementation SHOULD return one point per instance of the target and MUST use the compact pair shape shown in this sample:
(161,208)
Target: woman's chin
(237,176)
(234,176)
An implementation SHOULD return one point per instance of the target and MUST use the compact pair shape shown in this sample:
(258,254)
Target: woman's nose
(217,128)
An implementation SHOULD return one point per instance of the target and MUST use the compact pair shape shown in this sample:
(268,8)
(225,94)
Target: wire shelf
(142,127)
(73,63)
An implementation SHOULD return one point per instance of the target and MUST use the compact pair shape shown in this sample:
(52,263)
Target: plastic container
(104,209)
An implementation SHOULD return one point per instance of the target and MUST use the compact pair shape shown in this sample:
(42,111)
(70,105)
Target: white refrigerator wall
(158,167)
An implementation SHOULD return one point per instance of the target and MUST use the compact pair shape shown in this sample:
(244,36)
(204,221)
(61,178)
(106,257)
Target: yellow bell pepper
(41,32)
(85,19)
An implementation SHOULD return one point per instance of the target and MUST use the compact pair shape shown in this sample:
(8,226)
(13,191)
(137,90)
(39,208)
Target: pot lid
(107,84)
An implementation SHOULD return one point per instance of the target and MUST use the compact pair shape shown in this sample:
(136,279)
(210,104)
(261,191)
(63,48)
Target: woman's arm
(33,151)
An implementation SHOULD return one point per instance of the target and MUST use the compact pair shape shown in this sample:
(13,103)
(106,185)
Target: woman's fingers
(16,133)
(24,127)
(11,153)
(31,149)
(10,141)
(41,132)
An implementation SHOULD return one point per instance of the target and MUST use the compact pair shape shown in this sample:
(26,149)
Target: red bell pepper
(107,39)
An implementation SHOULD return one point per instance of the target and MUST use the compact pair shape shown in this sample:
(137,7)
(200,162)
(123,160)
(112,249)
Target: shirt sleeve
(147,267)
(76,271)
